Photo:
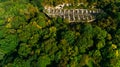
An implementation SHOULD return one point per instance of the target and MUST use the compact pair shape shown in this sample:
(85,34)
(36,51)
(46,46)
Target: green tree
(43,61)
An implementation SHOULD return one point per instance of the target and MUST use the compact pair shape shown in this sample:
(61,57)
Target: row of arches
(74,15)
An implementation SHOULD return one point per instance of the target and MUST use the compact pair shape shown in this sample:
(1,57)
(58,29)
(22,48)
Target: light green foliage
(99,33)
(43,61)
(118,63)
(100,44)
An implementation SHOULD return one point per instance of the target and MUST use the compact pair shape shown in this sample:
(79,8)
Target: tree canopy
(29,38)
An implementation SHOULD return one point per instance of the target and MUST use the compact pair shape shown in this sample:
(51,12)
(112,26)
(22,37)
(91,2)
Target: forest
(29,38)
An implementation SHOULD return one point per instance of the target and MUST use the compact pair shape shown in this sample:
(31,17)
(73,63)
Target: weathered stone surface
(74,15)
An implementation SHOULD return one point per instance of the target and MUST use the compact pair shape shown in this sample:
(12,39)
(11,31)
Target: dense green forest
(29,38)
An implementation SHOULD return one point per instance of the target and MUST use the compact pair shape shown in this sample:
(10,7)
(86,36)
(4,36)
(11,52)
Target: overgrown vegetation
(28,38)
